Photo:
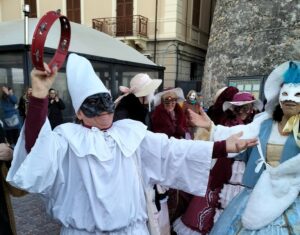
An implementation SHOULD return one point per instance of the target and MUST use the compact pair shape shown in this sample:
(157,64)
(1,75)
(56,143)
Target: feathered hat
(243,98)
(287,72)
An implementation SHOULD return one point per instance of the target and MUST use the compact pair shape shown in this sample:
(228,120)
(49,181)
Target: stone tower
(249,38)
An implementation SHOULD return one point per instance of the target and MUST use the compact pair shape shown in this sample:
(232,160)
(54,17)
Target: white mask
(192,96)
(290,91)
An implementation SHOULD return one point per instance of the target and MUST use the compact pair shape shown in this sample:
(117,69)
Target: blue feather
(292,75)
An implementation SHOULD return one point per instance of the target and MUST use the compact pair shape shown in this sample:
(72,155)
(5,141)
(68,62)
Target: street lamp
(26,11)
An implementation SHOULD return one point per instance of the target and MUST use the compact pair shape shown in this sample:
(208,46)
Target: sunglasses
(244,109)
(169,100)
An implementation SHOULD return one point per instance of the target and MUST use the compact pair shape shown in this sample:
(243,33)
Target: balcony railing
(122,26)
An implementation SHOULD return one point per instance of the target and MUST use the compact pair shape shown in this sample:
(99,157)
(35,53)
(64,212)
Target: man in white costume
(93,174)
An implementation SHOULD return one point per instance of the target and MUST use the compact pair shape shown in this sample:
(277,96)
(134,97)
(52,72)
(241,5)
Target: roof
(84,40)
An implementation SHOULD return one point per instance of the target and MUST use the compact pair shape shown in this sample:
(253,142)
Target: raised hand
(5,90)
(42,81)
(200,120)
(234,144)
(6,152)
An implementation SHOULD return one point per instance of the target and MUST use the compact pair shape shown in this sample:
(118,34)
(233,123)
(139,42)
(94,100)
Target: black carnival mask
(96,104)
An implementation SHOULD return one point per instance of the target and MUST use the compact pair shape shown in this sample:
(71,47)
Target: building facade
(172,33)
(248,39)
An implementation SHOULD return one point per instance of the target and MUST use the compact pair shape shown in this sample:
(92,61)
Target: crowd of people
(13,115)
(157,163)
(14,111)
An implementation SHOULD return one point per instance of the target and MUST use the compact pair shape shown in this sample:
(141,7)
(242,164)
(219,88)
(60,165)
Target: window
(196,71)
(73,10)
(196,13)
(253,84)
(32,4)
(11,71)
(124,17)
(193,71)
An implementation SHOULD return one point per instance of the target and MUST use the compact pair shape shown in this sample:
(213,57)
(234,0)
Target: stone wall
(248,38)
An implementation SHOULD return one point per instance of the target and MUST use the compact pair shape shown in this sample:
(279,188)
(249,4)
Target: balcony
(134,26)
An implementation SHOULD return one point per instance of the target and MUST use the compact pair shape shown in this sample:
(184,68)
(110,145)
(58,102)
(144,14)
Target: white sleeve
(35,172)
(176,163)
(250,130)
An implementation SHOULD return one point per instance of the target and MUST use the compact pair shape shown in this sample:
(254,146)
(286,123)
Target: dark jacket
(55,112)
(130,107)
(22,107)
(7,222)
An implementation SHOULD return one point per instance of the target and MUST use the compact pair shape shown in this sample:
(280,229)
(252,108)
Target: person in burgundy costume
(215,112)
(199,215)
(169,118)
(242,107)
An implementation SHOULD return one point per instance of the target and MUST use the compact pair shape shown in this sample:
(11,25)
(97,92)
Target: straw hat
(141,85)
(243,98)
(178,91)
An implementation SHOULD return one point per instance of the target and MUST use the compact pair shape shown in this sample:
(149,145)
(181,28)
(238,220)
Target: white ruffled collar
(127,134)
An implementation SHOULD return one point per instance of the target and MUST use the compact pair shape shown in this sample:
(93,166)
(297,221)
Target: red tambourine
(39,39)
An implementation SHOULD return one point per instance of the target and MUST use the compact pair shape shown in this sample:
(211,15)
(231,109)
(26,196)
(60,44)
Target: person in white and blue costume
(270,203)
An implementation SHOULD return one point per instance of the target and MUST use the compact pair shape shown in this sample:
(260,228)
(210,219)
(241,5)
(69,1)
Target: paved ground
(31,218)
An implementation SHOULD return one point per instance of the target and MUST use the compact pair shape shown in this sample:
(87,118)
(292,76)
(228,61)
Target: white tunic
(90,178)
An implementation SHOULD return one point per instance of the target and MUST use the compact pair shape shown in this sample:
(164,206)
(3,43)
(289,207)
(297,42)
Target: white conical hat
(82,80)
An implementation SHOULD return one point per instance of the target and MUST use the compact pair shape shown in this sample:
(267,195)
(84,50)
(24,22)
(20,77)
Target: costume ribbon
(126,91)
(261,161)
(293,125)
